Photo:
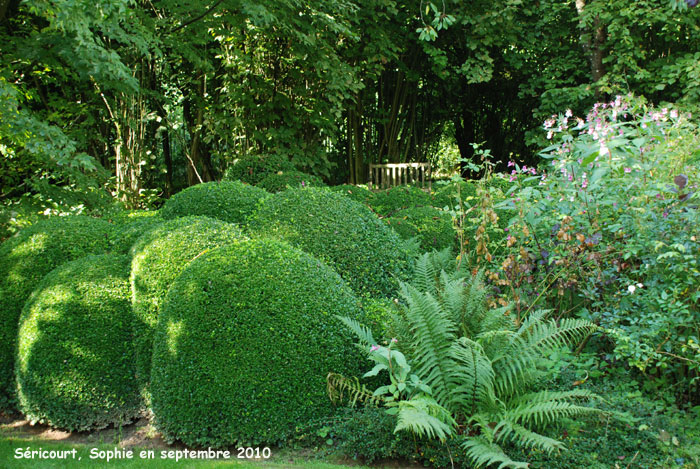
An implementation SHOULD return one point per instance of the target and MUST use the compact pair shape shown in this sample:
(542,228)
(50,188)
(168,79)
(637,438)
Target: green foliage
(230,201)
(356,193)
(158,257)
(609,226)
(247,335)
(253,169)
(472,366)
(388,202)
(431,226)
(343,233)
(129,226)
(75,362)
(280,181)
(447,195)
(25,259)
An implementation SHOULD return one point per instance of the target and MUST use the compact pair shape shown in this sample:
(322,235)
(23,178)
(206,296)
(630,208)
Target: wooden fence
(383,176)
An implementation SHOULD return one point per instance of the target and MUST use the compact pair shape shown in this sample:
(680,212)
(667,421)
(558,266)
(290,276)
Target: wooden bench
(383,176)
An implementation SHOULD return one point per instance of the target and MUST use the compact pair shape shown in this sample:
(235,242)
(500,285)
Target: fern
(363,333)
(423,416)
(473,366)
(433,335)
(485,453)
(341,389)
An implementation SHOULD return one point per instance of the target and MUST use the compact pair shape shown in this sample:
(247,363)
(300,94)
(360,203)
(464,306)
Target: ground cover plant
(75,361)
(432,227)
(248,333)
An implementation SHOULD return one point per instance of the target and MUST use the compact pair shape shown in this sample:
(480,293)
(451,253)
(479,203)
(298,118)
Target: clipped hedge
(129,226)
(254,168)
(24,260)
(247,336)
(230,201)
(343,233)
(356,193)
(295,179)
(75,365)
(432,227)
(158,257)
(446,196)
(390,201)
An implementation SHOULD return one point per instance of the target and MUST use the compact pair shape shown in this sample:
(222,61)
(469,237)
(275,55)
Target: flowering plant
(607,228)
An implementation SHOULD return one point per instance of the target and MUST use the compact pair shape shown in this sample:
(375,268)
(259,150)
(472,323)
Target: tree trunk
(592,41)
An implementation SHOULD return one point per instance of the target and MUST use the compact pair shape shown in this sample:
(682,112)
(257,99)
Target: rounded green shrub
(390,201)
(24,260)
(341,232)
(431,226)
(129,226)
(230,201)
(247,337)
(356,193)
(158,257)
(75,365)
(446,196)
(254,168)
(295,179)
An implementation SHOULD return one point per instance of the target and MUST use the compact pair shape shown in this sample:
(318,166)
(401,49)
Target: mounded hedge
(158,257)
(254,168)
(129,226)
(432,227)
(390,201)
(446,196)
(230,201)
(359,194)
(341,232)
(24,260)
(75,364)
(295,179)
(247,336)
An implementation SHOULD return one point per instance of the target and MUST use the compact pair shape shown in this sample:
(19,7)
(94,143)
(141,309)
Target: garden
(197,270)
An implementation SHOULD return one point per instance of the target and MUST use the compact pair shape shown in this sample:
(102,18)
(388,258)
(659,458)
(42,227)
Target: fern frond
(433,335)
(546,335)
(424,417)
(508,430)
(484,453)
(425,274)
(511,359)
(473,377)
(342,389)
(363,333)
(545,407)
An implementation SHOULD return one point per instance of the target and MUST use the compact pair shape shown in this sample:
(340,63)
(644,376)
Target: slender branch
(209,10)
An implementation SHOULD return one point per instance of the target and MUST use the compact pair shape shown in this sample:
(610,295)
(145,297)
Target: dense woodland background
(139,99)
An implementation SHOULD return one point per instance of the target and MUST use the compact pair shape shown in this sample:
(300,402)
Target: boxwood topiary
(254,168)
(129,226)
(75,366)
(390,201)
(357,193)
(24,260)
(247,336)
(446,196)
(158,257)
(230,201)
(431,226)
(280,181)
(343,233)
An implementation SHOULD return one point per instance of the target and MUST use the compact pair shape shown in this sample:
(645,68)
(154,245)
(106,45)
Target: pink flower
(374,348)
(568,113)
(511,163)
(533,171)
(628,170)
